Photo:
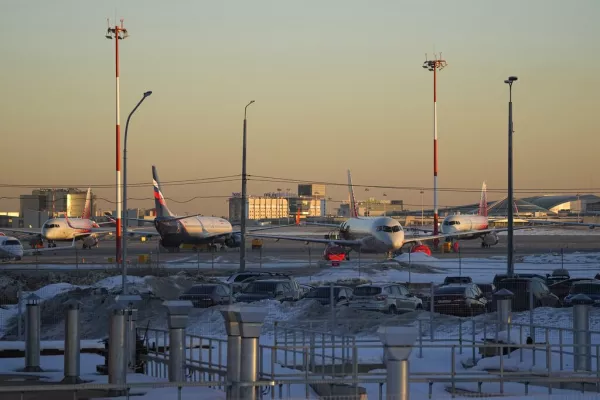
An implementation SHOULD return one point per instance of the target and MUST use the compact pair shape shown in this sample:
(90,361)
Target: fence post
(581,332)
(129,303)
(397,342)
(32,334)
(503,299)
(116,348)
(251,321)
(178,311)
(234,351)
(72,343)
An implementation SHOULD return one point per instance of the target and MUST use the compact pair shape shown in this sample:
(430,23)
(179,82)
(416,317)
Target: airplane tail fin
(483,210)
(353,207)
(159,201)
(87,208)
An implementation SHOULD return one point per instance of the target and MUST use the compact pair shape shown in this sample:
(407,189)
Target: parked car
(558,275)
(500,277)
(561,289)
(385,297)
(451,280)
(487,289)
(276,289)
(237,279)
(207,295)
(342,295)
(520,287)
(460,300)
(590,287)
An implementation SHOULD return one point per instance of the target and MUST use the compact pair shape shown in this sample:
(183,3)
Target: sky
(338,85)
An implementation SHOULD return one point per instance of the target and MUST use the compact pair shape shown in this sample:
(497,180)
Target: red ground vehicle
(421,248)
(334,253)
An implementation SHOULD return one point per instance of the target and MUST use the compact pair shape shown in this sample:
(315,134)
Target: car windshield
(450,290)
(320,293)
(204,289)
(11,242)
(260,287)
(519,286)
(367,291)
(585,288)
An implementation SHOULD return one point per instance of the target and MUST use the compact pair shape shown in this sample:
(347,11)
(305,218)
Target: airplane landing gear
(51,244)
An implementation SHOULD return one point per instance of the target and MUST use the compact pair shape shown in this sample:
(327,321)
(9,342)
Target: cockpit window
(52,226)
(453,222)
(396,228)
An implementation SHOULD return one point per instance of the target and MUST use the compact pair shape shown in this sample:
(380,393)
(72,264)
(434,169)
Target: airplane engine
(235,240)
(491,239)
(90,241)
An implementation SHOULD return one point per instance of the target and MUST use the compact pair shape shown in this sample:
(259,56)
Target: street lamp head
(512,78)
(148,93)
(506,81)
(251,101)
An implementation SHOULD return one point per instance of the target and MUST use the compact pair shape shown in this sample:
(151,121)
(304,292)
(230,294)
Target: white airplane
(12,249)
(468,227)
(65,229)
(363,234)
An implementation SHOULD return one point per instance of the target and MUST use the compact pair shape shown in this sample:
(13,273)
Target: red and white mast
(434,65)
(118,33)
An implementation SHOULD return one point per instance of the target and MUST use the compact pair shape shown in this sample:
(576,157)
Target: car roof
(328,286)
(269,281)
(587,282)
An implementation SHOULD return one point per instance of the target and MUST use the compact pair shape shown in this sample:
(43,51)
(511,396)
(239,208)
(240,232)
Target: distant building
(56,202)
(263,207)
(311,190)
(372,208)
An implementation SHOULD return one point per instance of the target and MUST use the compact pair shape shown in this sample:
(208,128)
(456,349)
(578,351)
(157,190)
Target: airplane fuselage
(376,234)
(466,223)
(193,230)
(58,230)
(10,248)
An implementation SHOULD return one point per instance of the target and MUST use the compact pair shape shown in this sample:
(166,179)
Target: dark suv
(207,295)
(276,289)
(561,289)
(449,280)
(500,277)
(460,300)
(542,297)
(236,280)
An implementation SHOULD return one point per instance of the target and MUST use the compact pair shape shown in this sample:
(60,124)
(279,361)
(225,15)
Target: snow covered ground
(415,267)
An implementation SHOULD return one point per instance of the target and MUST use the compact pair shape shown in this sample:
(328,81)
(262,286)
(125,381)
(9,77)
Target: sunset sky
(338,85)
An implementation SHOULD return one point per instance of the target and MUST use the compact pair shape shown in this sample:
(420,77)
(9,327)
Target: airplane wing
(22,230)
(32,252)
(339,242)
(424,238)
(559,223)
(321,224)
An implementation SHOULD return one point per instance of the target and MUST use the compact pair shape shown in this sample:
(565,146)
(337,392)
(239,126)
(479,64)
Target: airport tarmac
(288,252)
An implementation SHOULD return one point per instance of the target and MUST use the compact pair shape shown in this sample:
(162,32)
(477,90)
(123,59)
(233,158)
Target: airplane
(468,227)
(190,229)
(12,249)
(362,234)
(65,229)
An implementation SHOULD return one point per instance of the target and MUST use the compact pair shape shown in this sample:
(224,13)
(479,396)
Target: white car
(385,297)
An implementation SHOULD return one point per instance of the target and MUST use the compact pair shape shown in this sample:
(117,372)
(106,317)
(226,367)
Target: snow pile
(97,301)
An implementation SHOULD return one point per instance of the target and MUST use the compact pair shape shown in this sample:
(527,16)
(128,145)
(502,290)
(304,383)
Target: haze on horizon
(337,84)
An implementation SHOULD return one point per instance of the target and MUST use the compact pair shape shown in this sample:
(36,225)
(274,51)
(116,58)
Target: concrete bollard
(72,357)
(178,311)
(397,343)
(130,303)
(503,300)
(251,320)
(234,350)
(116,347)
(582,337)
(32,334)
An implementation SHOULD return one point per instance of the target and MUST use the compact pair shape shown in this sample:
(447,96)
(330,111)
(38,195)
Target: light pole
(433,66)
(118,33)
(287,200)
(125,214)
(244,199)
(578,207)
(422,207)
(510,267)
